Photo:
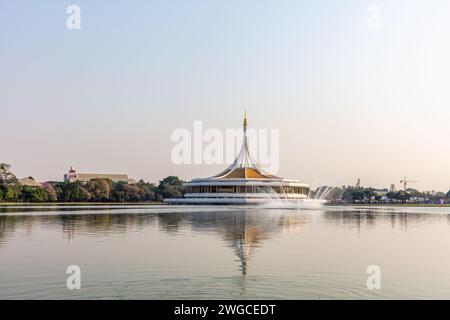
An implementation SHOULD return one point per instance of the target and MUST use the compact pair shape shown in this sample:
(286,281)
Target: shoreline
(81,203)
(153,203)
(431,205)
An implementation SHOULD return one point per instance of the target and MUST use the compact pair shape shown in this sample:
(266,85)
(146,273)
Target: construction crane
(405,182)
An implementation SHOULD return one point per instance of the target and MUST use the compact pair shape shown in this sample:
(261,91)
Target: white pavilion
(244,182)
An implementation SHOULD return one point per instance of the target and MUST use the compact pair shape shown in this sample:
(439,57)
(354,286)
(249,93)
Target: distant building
(30,182)
(381,192)
(73,176)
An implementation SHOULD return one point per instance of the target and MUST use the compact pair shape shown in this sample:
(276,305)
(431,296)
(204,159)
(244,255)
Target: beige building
(29,182)
(73,176)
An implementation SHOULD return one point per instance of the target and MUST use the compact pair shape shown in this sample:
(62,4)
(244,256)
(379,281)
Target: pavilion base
(247,201)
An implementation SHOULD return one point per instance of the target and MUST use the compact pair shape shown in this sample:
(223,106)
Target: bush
(34,194)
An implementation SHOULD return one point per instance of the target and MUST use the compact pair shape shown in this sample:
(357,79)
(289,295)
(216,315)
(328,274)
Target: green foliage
(34,194)
(99,189)
(51,192)
(440,195)
(72,192)
(10,192)
(352,194)
(6,176)
(123,192)
(148,191)
(170,187)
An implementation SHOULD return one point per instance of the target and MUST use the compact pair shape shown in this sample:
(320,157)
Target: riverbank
(388,205)
(157,203)
(81,203)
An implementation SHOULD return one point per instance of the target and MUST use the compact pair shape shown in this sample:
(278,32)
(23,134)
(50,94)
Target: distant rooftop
(29,182)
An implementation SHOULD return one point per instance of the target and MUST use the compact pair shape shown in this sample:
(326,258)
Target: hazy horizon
(350,100)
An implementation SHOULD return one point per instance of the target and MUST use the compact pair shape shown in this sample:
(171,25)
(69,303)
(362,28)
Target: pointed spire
(244,163)
(245,121)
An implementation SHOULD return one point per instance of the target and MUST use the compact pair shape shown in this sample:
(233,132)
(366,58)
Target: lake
(206,252)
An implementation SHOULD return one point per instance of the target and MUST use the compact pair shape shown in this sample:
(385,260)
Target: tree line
(95,190)
(349,194)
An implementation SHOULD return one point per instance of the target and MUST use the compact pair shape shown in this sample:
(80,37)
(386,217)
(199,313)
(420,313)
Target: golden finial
(245,120)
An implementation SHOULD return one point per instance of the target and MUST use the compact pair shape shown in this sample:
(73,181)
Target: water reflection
(224,252)
(245,230)
(398,218)
(242,229)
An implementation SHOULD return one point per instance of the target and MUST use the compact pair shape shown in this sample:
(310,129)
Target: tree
(34,194)
(334,194)
(170,187)
(123,192)
(99,189)
(439,195)
(147,190)
(11,192)
(369,193)
(51,192)
(6,176)
(403,196)
(351,194)
(72,191)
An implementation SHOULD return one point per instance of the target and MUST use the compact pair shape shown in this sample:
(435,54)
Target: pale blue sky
(349,101)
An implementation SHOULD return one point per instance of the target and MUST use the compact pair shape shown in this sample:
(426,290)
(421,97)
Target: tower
(71,176)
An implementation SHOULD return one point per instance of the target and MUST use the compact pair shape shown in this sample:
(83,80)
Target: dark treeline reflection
(254,224)
(241,230)
(397,220)
(59,208)
(232,224)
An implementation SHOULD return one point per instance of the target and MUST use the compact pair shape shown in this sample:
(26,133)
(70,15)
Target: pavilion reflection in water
(243,230)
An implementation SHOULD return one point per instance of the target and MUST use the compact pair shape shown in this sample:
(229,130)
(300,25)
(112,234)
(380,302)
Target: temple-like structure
(244,182)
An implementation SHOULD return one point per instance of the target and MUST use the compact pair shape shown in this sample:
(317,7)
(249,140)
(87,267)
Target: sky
(351,99)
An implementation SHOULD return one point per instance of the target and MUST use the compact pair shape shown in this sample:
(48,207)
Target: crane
(405,182)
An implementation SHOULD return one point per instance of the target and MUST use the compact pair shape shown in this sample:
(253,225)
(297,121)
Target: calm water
(161,252)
